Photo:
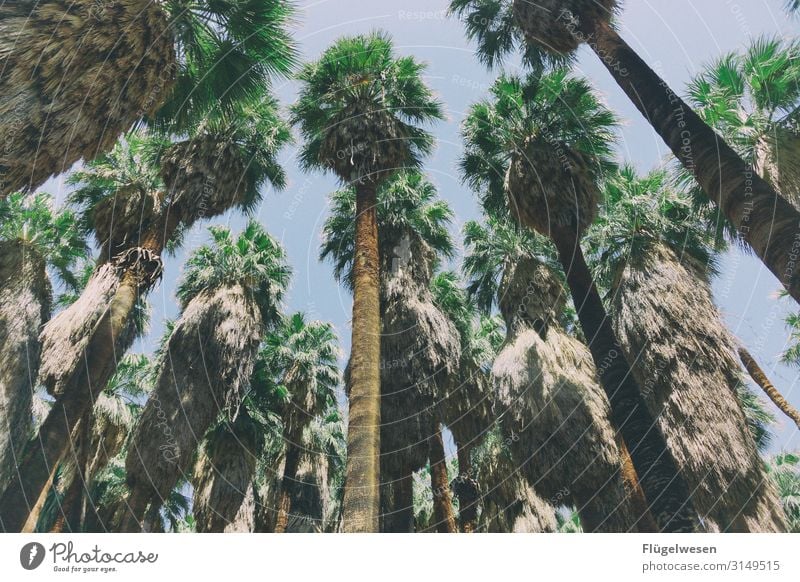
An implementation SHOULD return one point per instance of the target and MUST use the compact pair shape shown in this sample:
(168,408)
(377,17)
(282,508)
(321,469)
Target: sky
(676,37)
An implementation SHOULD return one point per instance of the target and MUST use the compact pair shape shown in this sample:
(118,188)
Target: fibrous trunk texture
(685,361)
(223,474)
(206,366)
(25,297)
(75,75)
(761,216)
(443,517)
(361,505)
(420,351)
(545,22)
(552,407)
(76,394)
(666,490)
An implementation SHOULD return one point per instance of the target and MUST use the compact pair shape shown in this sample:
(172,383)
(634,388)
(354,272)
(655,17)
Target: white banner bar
(490,557)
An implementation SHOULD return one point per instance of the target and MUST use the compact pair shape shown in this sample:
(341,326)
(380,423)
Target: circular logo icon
(31,555)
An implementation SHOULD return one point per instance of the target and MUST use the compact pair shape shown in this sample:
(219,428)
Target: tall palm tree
(76,75)
(547,393)
(359,111)
(537,151)
(552,30)
(230,295)
(419,346)
(305,353)
(34,236)
(137,201)
(654,255)
(752,98)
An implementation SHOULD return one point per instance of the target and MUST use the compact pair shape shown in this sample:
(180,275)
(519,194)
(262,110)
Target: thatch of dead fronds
(25,297)
(685,361)
(223,474)
(546,23)
(66,66)
(66,336)
(509,503)
(206,365)
(553,408)
(420,352)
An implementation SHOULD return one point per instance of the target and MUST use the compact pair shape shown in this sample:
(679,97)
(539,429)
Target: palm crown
(359,107)
(52,234)
(639,213)
(406,203)
(547,124)
(253,260)
(752,98)
(303,356)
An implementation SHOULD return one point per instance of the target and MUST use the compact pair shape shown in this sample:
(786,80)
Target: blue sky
(676,37)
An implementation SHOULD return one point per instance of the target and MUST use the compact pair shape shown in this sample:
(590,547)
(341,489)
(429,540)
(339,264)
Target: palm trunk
(70,516)
(443,519)
(77,398)
(762,217)
(664,487)
(287,485)
(361,505)
(467,491)
(760,378)
(645,523)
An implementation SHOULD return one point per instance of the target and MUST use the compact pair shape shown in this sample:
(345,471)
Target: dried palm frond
(62,64)
(546,23)
(685,361)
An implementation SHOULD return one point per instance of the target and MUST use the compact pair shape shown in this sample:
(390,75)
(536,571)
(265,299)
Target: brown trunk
(77,398)
(70,515)
(645,522)
(760,378)
(664,487)
(287,485)
(443,518)
(466,490)
(361,505)
(763,218)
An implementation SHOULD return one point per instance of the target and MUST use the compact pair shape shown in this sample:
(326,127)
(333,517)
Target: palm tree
(552,30)
(419,346)
(792,6)
(98,438)
(537,150)
(224,471)
(752,98)
(305,353)
(654,255)
(78,74)
(229,295)
(34,236)
(123,201)
(547,393)
(509,502)
(359,111)
(467,405)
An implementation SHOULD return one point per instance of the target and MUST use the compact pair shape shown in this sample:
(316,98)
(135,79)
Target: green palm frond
(553,108)
(227,50)
(639,213)
(490,24)
(358,79)
(494,245)
(407,201)
(254,260)
(784,469)
(50,233)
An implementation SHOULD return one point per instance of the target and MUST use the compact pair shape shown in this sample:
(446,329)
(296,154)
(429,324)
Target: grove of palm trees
(507,266)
